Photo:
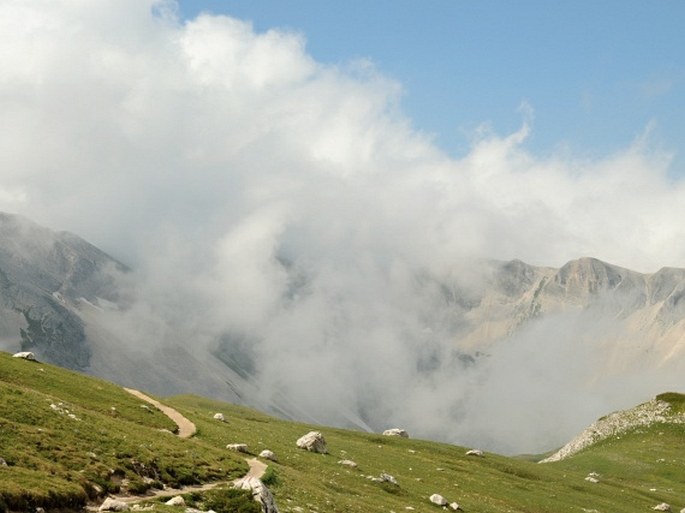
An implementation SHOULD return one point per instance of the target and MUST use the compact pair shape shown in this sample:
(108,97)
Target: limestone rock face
(313,442)
(260,493)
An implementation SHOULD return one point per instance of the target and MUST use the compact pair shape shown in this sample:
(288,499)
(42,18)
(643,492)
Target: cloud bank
(287,206)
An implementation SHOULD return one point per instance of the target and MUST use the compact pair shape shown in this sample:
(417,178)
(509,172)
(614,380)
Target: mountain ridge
(74,306)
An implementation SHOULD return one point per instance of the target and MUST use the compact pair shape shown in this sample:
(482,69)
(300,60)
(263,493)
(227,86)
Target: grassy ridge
(58,461)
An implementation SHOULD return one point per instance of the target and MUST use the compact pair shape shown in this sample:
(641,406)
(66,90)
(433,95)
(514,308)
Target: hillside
(113,444)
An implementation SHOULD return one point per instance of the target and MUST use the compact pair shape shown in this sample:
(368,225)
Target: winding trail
(257,469)
(186,428)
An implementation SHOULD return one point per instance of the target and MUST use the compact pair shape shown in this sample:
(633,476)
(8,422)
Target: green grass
(490,484)
(56,461)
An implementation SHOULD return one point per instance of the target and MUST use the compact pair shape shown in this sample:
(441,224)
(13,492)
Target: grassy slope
(491,484)
(50,463)
(54,460)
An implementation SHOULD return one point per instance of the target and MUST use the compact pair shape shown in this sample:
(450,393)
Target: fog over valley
(273,230)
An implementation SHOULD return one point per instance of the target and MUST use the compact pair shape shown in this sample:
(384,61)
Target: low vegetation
(56,461)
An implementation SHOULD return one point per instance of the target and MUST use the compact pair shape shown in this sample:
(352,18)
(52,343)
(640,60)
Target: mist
(286,212)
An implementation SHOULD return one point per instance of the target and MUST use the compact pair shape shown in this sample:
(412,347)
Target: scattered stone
(593,474)
(268,455)
(176,501)
(387,478)
(592,479)
(26,355)
(314,442)
(92,455)
(475,452)
(455,506)
(662,507)
(3,463)
(438,499)
(219,417)
(138,507)
(347,463)
(260,493)
(396,432)
(113,505)
(238,447)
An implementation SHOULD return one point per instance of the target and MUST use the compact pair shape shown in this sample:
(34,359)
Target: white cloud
(207,154)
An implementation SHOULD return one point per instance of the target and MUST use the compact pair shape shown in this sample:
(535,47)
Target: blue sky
(596,74)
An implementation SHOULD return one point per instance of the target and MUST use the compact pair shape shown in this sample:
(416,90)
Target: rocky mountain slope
(663,409)
(62,298)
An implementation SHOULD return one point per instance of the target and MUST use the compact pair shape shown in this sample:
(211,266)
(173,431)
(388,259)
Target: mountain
(493,332)
(68,440)
(646,312)
(63,299)
(45,278)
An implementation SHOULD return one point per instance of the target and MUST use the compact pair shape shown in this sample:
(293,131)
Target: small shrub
(270,478)
(231,500)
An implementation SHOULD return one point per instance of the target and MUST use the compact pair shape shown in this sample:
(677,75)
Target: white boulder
(662,507)
(396,432)
(260,493)
(387,478)
(313,442)
(26,355)
(176,501)
(347,463)
(438,499)
(238,447)
(113,505)
(454,506)
(475,452)
(219,417)
(268,455)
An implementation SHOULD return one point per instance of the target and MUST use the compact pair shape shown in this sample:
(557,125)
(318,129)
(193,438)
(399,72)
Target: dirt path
(186,429)
(257,468)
